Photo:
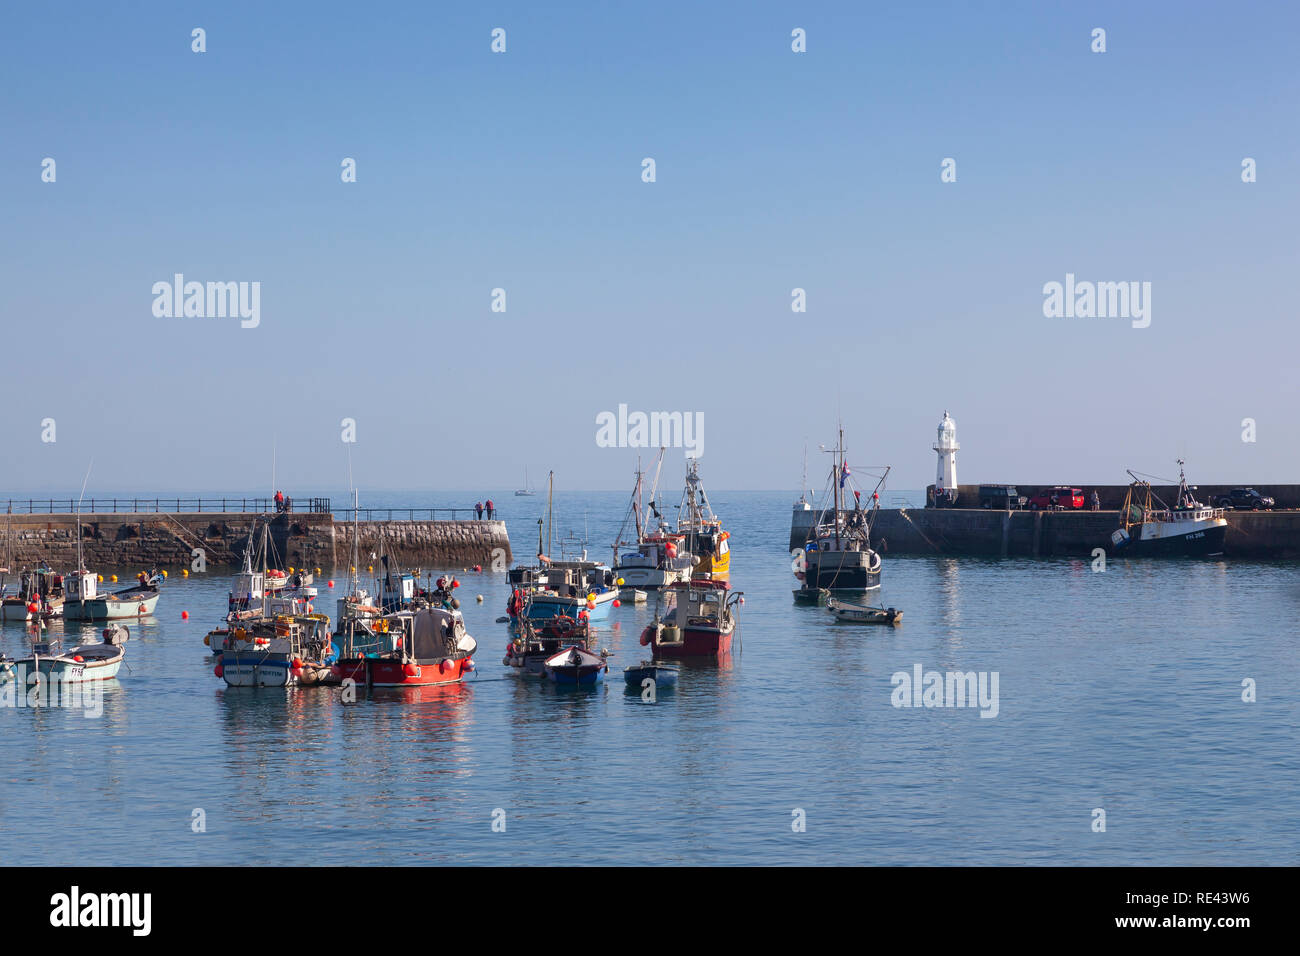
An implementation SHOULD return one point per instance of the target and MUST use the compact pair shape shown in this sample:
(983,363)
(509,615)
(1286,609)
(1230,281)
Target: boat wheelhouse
(39,597)
(695,618)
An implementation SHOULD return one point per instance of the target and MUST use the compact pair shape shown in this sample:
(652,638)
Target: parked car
(1059,497)
(1247,499)
(1002,497)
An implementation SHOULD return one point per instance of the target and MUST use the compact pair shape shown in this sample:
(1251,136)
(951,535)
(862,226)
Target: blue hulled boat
(576,667)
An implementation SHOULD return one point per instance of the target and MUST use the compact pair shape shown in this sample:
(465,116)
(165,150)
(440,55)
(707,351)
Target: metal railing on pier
(41,506)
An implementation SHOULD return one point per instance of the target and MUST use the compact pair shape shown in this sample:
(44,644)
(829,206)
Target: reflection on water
(1122,685)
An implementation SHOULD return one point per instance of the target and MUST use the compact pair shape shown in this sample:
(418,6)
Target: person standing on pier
(1096,501)
(279,502)
(478,511)
(491,509)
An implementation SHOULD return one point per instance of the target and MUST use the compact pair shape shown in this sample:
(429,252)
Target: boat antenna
(84,482)
(550,510)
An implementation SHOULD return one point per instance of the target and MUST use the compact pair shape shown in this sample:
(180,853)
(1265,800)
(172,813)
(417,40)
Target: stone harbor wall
(169,541)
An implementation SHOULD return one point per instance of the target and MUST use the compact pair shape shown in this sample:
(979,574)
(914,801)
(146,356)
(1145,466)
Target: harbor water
(1118,690)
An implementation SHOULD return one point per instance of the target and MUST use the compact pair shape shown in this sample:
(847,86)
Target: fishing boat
(838,557)
(83,602)
(568,587)
(655,557)
(536,641)
(1150,527)
(663,675)
(695,618)
(39,596)
(860,614)
(701,529)
(425,644)
(260,591)
(281,651)
(79,665)
(576,667)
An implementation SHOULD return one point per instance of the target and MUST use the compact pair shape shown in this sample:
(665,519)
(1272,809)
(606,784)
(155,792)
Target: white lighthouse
(945,475)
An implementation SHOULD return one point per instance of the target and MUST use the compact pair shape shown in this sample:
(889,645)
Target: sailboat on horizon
(527,490)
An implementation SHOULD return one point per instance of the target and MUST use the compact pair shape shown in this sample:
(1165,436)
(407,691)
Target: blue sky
(522,171)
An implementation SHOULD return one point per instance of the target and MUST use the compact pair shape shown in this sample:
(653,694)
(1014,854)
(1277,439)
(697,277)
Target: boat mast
(637,500)
(550,510)
(835,479)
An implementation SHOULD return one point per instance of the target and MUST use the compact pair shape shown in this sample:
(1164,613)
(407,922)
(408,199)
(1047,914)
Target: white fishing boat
(656,557)
(79,665)
(83,602)
(1149,527)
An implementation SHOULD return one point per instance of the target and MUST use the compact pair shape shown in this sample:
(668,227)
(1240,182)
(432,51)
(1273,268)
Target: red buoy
(331,584)
(616,604)
(185,615)
(218,670)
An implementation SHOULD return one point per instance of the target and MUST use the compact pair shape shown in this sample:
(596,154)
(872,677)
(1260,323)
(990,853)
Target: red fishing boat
(693,619)
(412,648)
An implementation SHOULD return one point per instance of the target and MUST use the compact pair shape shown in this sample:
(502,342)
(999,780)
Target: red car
(1058,497)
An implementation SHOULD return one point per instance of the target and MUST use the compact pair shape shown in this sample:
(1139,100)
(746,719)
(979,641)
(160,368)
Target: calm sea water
(1119,690)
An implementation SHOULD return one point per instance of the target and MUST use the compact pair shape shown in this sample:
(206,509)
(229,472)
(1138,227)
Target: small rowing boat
(859,614)
(663,675)
(576,667)
(80,665)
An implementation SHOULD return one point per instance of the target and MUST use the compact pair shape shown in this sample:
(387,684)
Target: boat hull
(1194,543)
(546,606)
(662,676)
(251,669)
(694,642)
(576,667)
(109,608)
(16,610)
(383,672)
(60,671)
(842,571)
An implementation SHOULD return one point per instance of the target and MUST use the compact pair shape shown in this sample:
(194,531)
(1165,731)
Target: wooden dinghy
(807,595)
(860,614)
(664,675)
